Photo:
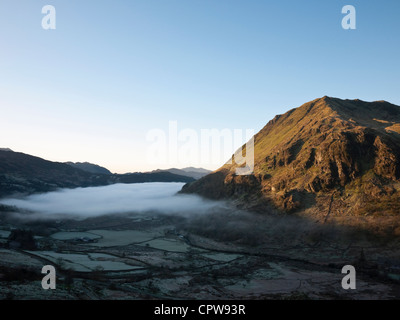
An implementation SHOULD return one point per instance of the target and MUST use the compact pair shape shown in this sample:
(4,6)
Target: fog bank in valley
(119,198)
(212,219)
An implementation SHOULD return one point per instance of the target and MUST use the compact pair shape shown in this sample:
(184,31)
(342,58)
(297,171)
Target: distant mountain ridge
(162,176)
(89,167)
(195,173)
(191,172)
(327,157)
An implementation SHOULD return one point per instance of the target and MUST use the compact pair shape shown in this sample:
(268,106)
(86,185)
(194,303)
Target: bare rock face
(326,146)
(386,159)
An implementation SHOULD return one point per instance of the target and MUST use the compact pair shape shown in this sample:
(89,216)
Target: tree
(21,239)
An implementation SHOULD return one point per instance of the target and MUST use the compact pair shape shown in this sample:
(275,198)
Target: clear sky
(112,71)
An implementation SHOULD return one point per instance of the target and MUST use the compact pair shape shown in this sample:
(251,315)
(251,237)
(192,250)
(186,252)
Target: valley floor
(160,257)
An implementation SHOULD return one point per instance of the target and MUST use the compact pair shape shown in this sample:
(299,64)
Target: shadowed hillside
(24,174)
(89,167)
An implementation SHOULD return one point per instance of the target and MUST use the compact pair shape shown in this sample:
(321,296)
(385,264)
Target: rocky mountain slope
(329,157)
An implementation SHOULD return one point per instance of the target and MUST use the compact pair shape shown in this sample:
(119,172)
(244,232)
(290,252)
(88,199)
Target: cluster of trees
(21,239)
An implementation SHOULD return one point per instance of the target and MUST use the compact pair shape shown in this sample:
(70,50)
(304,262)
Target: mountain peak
(326,145)
(325,98)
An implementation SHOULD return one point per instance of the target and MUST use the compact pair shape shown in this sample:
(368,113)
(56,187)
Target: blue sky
(113,70)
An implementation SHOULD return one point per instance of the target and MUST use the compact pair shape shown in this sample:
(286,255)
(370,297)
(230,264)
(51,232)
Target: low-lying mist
(157,197)
(196,215)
